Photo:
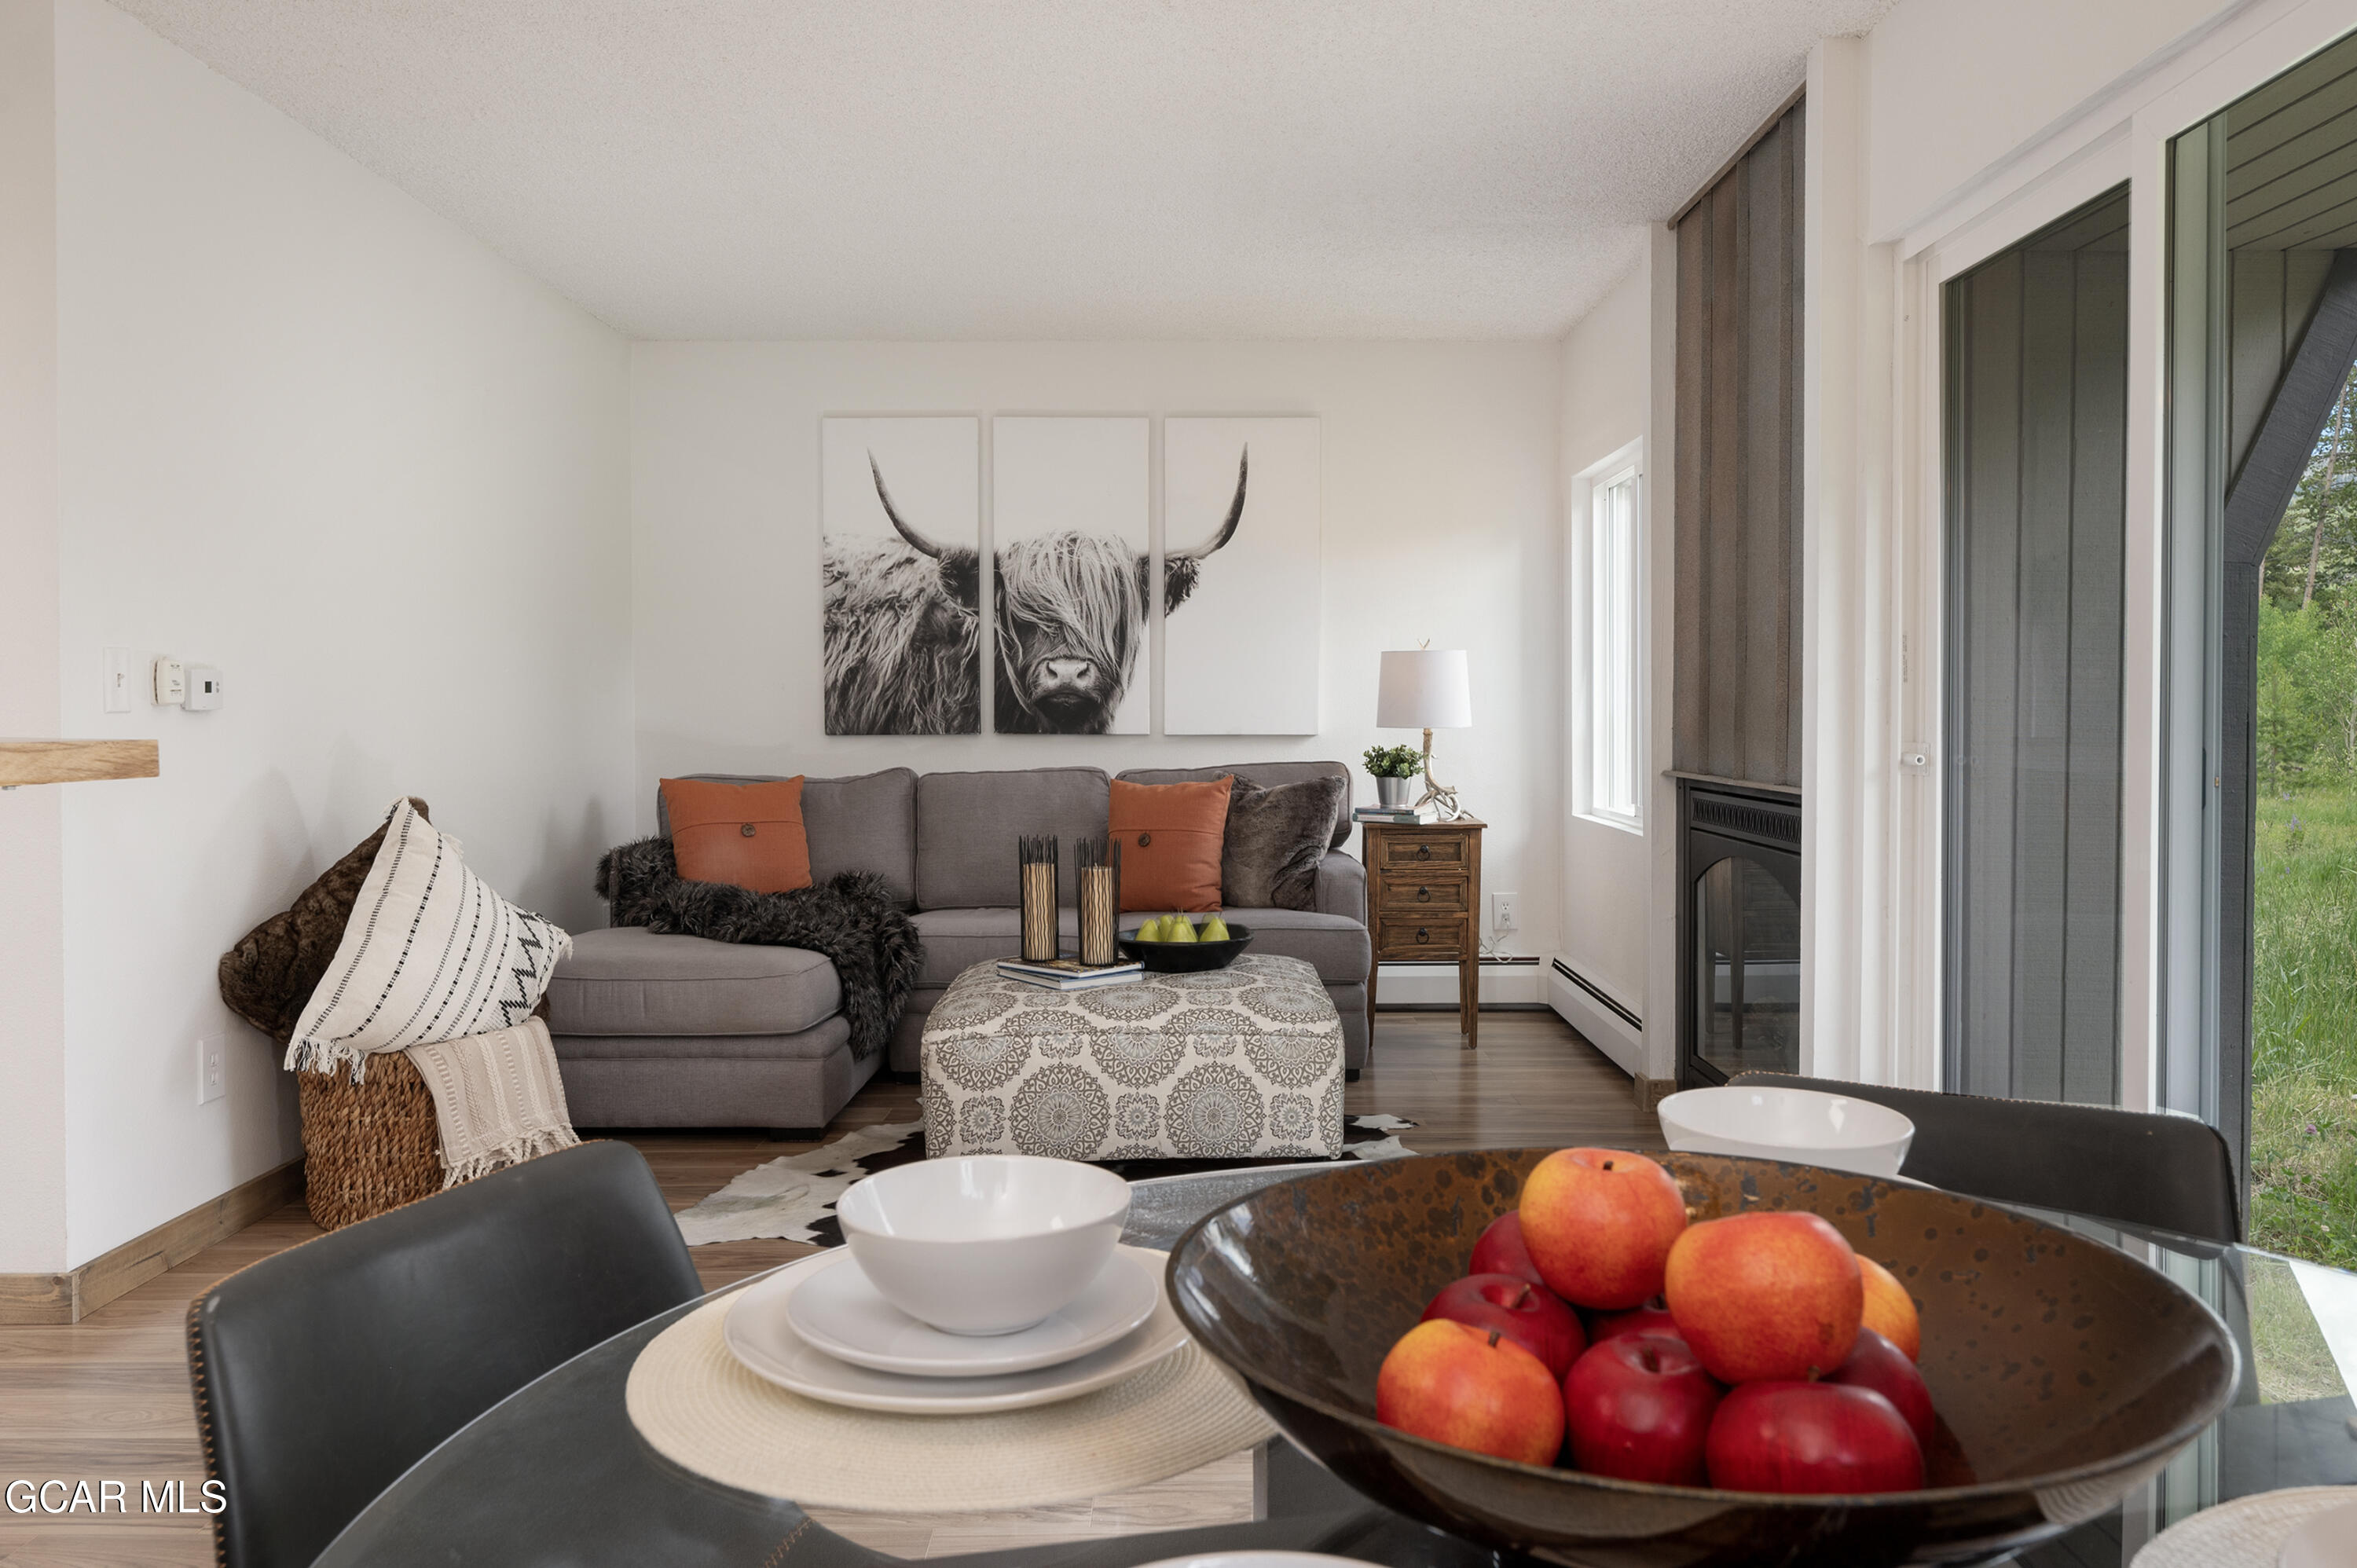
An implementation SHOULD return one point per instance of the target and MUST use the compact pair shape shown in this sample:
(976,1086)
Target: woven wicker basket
(368,1146)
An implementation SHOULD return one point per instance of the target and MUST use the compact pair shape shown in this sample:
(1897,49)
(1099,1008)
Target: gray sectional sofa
(673,1031)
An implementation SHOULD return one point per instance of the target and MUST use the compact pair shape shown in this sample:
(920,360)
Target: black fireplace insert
(1738,932)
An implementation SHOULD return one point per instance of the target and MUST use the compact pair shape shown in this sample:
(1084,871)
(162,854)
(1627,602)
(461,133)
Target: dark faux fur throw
(852,919)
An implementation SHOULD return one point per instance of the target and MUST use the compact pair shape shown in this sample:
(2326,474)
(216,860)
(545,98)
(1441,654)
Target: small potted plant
(1395,767)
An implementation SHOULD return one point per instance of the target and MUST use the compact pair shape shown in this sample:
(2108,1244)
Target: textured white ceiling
(1038,169)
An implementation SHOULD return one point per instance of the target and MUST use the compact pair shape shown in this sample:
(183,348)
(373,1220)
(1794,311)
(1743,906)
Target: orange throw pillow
(1170,836)
(748,835)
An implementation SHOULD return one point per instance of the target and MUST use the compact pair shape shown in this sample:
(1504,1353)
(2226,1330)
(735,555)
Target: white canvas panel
(1240,652)
(1070,500)
(903,650)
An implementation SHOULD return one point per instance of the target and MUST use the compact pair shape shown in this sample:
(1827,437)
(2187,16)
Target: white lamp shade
(1424,687)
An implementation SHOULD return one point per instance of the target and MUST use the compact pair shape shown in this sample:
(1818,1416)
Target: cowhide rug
(792,1198)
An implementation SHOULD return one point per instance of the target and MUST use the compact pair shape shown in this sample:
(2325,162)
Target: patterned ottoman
(1242,1061)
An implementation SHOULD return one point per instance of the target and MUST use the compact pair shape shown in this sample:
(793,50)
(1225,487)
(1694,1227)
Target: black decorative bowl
(1185,958)
(2065,1372)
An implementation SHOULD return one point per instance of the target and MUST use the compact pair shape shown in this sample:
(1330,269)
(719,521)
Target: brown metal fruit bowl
(2065,1372)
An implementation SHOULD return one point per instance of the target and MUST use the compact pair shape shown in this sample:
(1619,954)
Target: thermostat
(204,689)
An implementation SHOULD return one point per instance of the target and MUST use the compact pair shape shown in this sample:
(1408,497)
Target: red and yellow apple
(1530,1315)
(1876,1363)
(1889,1310)
(1638,1407)
(1766,1295)
(1810,1437)
(1600,1224)
(1500,1251)
(1470,1388)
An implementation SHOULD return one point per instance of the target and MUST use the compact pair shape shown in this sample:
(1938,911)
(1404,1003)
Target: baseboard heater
(1602,1000)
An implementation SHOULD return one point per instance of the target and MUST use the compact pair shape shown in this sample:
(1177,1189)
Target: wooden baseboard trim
(73,1296)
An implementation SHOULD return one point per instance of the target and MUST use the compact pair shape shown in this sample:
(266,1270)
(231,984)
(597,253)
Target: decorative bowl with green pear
(1177,944)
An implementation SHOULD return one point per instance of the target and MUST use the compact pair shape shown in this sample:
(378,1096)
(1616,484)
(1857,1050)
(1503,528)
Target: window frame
(1591,488)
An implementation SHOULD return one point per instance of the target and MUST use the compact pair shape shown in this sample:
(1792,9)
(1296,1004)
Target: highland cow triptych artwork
(1055,587)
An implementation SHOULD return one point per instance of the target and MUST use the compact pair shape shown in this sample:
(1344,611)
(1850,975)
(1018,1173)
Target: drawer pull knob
(1424,895)
(1424,933)
(1423,852)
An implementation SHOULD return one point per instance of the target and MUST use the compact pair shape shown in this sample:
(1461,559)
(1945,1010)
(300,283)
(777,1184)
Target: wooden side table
(1424,898)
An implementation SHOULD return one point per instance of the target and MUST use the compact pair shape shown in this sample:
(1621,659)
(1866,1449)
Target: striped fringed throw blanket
(497,1099)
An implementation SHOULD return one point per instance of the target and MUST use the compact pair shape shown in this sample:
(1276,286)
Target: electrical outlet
(115,676)
(1502,910)
(212,1068)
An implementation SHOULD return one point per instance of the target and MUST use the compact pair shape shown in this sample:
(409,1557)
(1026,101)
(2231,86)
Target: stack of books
(1070,973)
(1408,816)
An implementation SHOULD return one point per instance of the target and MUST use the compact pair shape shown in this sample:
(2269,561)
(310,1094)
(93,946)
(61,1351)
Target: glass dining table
(555,1474)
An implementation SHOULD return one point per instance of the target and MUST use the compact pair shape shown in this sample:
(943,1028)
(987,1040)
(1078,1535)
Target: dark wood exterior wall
(2037,454)
(1736,674)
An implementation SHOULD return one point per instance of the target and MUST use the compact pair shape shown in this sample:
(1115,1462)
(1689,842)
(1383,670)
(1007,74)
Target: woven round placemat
(2248,1533)
(701,1409)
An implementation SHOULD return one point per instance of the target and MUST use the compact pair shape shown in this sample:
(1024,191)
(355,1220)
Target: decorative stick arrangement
(1036,864)
(1098,863)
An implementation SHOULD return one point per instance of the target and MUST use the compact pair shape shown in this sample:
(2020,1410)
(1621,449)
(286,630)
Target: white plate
(839,1310)
(760,1335)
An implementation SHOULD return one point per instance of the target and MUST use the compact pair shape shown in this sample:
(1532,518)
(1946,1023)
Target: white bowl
(986,1244)
(1805,1125)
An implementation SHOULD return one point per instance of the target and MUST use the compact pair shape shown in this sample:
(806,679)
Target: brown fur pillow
(274,969)
(1276,839)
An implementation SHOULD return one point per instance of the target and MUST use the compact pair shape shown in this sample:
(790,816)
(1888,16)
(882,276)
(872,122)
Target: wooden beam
(73,761)
(73,1296)
(2263,487)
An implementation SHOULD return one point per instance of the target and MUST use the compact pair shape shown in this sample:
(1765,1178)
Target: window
(1608,678)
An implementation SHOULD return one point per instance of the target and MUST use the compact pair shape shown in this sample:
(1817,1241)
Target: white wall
(32,1058)
(312,434)
(1607,870)
(1441,521)
(1952,90)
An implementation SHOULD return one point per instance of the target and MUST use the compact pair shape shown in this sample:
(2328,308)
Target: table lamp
(1426,689)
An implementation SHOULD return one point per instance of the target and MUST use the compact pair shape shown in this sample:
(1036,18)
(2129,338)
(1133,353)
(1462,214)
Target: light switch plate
(115,681)
(212,1068)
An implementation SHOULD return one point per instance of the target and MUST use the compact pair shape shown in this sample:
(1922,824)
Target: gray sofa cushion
(866,822)
(627,981)
(816,1044)
(1267,775)
(1336,945)
(1276,836)
(967,824)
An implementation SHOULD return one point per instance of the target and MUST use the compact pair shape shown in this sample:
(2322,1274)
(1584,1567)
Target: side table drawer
(1442,898)
(1407,850)
(1399,934)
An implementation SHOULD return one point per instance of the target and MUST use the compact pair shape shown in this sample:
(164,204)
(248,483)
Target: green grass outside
(2304,1024)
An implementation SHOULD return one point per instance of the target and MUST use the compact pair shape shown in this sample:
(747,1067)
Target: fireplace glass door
(1747,962)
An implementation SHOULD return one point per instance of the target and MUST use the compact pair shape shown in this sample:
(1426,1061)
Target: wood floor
(107,1399)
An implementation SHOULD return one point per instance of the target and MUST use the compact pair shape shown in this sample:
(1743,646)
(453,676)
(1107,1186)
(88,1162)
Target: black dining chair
(322,1373)
(2171,1173)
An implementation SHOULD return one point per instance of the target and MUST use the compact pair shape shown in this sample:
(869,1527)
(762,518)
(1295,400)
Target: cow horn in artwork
(917,541)
(1227,530)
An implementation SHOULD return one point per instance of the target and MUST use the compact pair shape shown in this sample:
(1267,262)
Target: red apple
(1876,1363)
(1889,1310)
(1810,1437)
(1639,1407)
(1598,1223)
(1766,1296)
(1500,1251)
(1651,1319)
(1470,1388)
(1530,1315)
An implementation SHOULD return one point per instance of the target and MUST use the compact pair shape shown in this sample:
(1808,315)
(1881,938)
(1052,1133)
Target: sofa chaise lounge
(677,1031)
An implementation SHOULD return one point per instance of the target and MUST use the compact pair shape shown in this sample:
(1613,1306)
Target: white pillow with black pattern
(431,952)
